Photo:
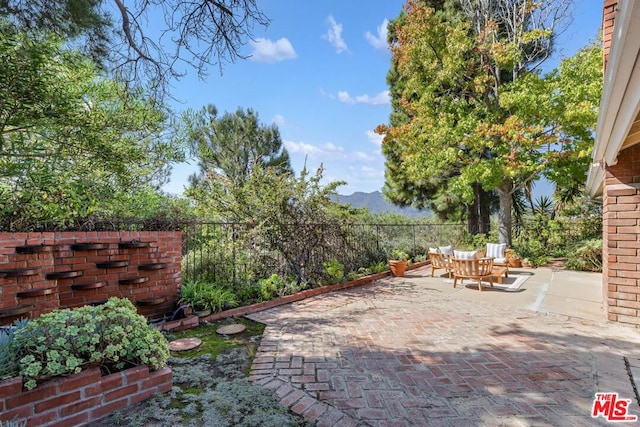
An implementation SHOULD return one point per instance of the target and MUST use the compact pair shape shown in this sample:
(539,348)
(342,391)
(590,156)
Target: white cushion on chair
(465,254)
(496,250)
(447,250)
(434,250)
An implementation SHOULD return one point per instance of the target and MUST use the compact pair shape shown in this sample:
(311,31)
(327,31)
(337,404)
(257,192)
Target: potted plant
(398,262)
(526,263)
(196,295)
(513,258)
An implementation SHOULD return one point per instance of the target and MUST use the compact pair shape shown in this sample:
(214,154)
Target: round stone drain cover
(236,328)
(184,344)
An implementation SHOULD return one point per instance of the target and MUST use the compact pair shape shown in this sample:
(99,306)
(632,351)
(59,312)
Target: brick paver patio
(400,352)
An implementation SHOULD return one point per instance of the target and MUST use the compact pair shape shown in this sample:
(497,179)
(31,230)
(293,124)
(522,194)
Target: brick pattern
(165,247)
(621,238)
(81,398)
(608,21)
(396,353)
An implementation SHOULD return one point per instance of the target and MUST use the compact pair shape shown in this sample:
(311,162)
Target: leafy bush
(333,270)
(201,295)
(275,286)
(112,336)
(9,351)
(586,256)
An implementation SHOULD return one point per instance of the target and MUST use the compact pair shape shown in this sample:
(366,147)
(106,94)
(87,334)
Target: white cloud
(379,41)
(374,138)
(301,147)
(381,98)
(364,156)
(332,148)
(265,50)
(334,35)
(278,120)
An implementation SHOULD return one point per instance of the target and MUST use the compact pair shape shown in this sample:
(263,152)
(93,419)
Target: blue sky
(319,72)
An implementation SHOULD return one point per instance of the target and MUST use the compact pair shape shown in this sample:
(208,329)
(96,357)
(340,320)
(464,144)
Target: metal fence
(239,253)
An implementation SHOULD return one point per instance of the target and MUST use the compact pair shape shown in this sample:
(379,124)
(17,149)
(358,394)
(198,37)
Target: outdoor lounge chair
(472,268)
(499,253)
(440,261)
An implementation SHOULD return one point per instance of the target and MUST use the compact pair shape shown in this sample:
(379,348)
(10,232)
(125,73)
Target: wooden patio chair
(475,269)
(440,261)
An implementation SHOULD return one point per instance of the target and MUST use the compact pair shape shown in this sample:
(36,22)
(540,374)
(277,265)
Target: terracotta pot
(515,262)
(397,267)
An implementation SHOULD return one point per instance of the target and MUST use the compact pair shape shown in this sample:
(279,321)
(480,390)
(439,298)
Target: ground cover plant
(211,386)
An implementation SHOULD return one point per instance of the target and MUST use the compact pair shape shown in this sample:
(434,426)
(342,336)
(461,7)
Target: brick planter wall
(80,398)
(157,265)
(621,238)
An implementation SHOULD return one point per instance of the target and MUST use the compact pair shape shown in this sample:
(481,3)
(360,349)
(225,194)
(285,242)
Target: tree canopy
(117,34)
(70,138)
(472,109)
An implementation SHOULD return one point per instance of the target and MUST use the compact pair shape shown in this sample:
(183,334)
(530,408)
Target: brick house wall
(621,217)
(149,275)
(621,238)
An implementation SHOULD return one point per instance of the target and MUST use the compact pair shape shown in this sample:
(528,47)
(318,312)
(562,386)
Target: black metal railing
(233,253)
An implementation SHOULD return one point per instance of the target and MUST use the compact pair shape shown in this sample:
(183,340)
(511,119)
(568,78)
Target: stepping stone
(184,344)
(236,328)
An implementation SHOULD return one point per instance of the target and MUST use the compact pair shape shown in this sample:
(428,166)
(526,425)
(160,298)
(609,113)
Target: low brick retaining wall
(253,308)
(81,398)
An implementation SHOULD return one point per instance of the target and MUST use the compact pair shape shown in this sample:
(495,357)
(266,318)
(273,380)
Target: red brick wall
(608,19)
(80,398)
(621,238)
(164,247)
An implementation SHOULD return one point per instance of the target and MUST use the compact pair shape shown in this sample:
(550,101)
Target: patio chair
(440,261)
(499,253)
(472,268)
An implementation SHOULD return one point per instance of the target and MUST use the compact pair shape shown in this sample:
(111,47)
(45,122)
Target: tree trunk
(472,215)
(478,221)
(484,218)
(504,216)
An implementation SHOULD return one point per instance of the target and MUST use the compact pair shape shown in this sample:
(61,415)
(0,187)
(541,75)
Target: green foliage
(333,270)
(472,114)
(9,350)
(275,286)
(205,295)
(112,336)
(398,254)
(70,138)
(586,256)
(233,144)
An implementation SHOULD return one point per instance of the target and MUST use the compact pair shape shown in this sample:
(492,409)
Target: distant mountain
(376,203)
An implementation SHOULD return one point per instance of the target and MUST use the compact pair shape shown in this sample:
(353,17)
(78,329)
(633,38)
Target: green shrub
(9,351)
(586,256)
(333,270)
(112,336)
(275,286)
(201,295)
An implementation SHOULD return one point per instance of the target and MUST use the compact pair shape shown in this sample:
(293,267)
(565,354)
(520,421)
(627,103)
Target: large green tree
(478,111)
(69,138)
(230,147)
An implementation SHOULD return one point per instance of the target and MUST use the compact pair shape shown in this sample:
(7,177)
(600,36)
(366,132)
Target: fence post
(413,233)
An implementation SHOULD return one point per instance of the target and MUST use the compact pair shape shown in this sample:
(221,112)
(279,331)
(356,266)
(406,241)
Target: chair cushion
(434,250)
(446,249)
(496,250)
(499,260)
(465,254)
